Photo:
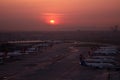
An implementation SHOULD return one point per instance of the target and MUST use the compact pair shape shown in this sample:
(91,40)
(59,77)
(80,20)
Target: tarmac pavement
(54,63)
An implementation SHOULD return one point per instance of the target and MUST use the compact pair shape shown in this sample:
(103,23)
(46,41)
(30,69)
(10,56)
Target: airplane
(106,52)
(30,50)
(102,57)
(101,65)
(99,60)
(11,54)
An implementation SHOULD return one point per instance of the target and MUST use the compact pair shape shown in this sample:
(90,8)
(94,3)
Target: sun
(52,21)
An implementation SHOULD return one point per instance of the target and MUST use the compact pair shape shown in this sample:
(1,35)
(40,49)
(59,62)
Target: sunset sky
(36,15)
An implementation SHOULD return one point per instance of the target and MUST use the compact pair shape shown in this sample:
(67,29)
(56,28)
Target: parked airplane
(101,65)
(100,60)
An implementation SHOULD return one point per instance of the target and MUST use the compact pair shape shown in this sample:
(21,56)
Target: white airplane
(15,53)
(41,45)
(106,52)
(30,50)
(103,57)
(104,60)
(100,60)
(109,47)
(101,65)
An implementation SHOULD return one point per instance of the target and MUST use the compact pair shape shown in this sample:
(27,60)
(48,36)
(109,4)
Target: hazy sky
(18,15)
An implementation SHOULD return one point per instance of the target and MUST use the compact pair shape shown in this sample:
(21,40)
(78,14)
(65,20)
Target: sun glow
(52,21)
(52,18)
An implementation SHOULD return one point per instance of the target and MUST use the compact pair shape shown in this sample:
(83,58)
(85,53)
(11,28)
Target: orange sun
(52,21)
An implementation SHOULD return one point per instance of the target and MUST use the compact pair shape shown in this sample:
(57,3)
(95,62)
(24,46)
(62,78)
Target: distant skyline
(35,15)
